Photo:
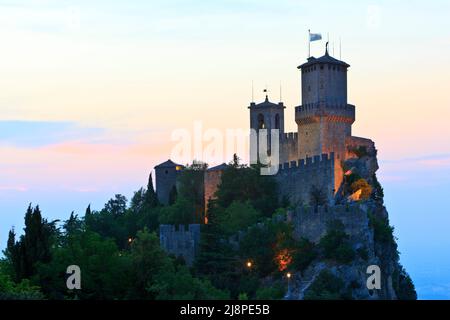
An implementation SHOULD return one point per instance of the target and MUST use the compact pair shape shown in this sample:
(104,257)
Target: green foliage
(364,186)
(178,284)
(238,216)
(24,290)
(378,193)
(190,182)
(148,260)
(335,244)
(326,286)
(242,184)
(181,212)
(383,232)
(403,285)
(243,296)
(304,253)
(173,195)
(33,246)
(275,292)
(104,271)
(217,261)
(363,253)
(263,244)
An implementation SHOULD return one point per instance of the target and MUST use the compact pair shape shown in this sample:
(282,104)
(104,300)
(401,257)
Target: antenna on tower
(281,96)
(253,93)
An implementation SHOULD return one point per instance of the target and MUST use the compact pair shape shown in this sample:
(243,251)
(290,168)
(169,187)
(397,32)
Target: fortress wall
(312,224)
(288,147)
(181,243)
(297,178)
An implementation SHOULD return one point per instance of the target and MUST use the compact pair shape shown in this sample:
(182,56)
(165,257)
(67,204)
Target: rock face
(357,221)
(369,235)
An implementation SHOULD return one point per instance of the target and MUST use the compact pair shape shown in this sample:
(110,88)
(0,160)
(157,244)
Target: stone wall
(288,147)
(312,223)
(181,243)
(297,178)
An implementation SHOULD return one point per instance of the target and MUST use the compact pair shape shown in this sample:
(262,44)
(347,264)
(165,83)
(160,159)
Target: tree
(173,194)
(304,254)
(148,260)
(34,246)
(241,183)
(216,260)
(238,216)
(151,200)
(116,206)
(106,272)
(335,244)
(181,212)
(9,290)
(178,284)
(327,286)
(73,225)
(111,221)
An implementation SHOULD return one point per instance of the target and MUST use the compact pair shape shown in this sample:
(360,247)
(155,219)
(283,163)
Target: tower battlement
(312,112)
(182,242)
(289,136)
(309,162)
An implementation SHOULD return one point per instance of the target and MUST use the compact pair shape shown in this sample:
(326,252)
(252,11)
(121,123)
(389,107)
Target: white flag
(315,37)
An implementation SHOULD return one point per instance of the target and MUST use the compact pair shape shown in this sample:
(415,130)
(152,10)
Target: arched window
(261,124)
(277,121)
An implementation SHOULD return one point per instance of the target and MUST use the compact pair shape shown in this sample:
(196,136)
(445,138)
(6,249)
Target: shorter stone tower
(266,115)
(166,179)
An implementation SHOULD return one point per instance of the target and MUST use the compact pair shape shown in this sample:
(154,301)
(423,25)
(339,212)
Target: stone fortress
(311,158)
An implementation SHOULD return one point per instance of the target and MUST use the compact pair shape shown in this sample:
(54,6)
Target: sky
(93,91)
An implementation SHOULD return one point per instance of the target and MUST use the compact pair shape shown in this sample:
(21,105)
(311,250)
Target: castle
(312,157)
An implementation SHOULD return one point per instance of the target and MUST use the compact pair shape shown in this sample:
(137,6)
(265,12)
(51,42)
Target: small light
(249,264)
(288,275)
(130,240)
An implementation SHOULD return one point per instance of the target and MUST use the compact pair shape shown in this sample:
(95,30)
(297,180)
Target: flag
(315,37)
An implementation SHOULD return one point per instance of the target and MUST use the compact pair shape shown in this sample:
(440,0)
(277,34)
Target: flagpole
(309,43)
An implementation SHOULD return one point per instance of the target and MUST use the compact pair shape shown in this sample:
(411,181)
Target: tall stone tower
(266,115)
(324,118)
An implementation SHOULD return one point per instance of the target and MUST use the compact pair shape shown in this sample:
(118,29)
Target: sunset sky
(91,94)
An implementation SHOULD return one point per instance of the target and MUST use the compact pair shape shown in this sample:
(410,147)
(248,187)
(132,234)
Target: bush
(276,292)
(383,232)
(304,254)
(362,253)
(238,216)
(364,186)
(335,244)
(326,286)
(403,285)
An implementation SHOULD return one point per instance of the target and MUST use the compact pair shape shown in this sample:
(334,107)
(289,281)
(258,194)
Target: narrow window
(277,121)
(261,124)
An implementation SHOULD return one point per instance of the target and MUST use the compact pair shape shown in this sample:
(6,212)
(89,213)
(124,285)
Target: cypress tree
(151,200)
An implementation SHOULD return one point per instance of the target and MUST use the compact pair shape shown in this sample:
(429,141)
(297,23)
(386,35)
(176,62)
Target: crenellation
(180,242)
